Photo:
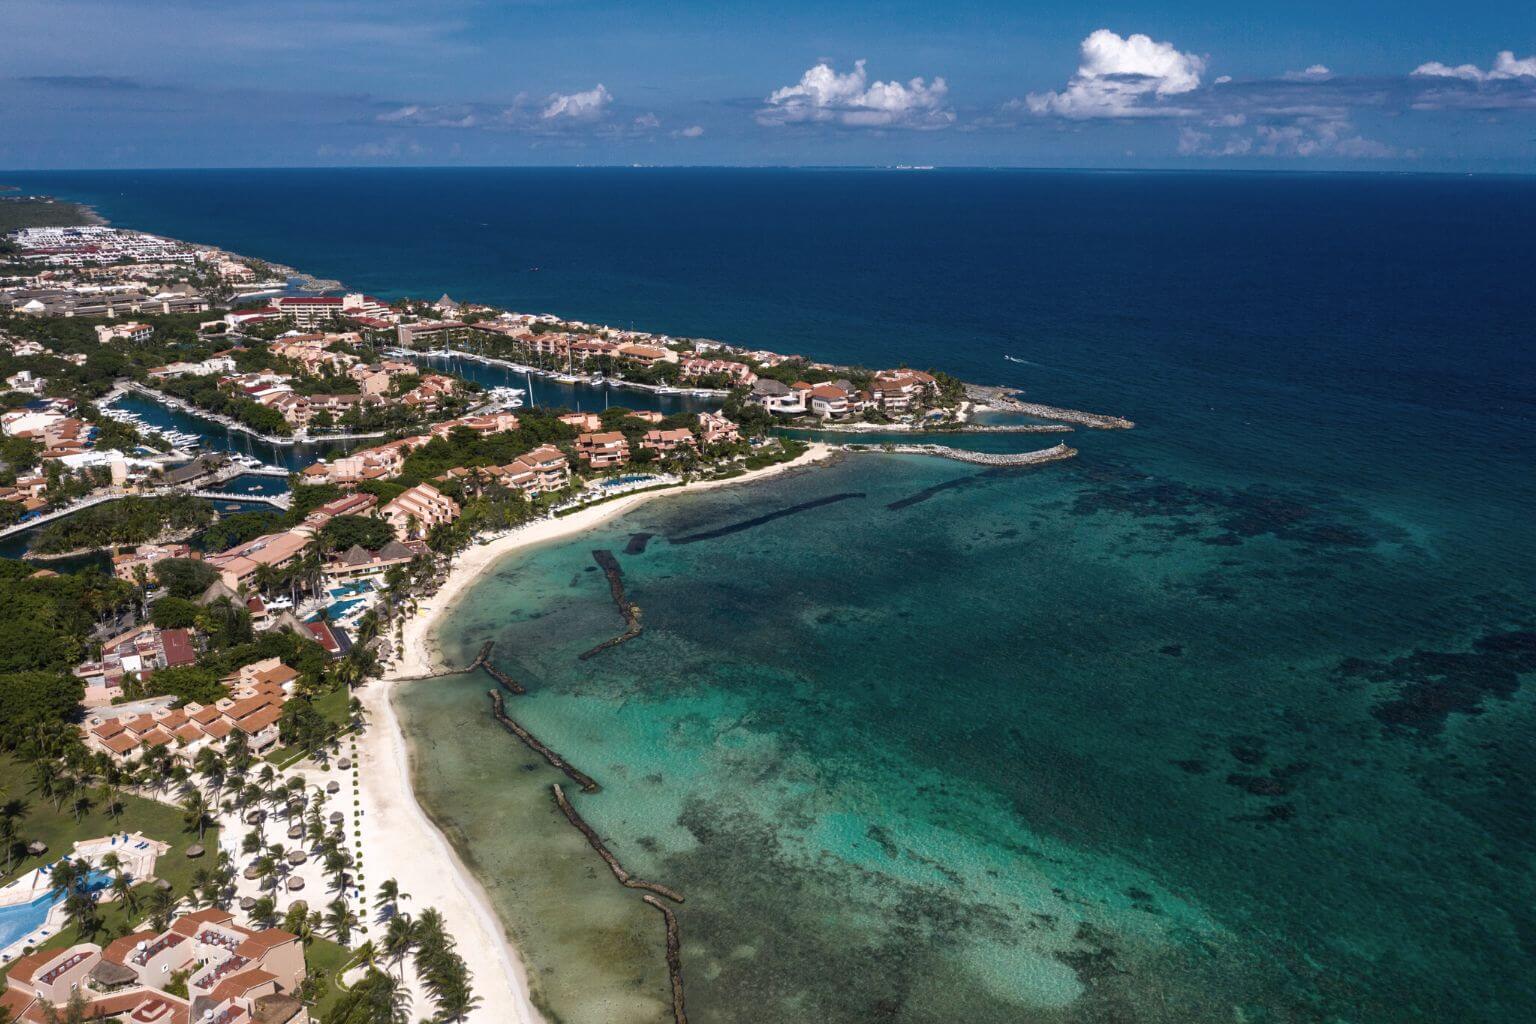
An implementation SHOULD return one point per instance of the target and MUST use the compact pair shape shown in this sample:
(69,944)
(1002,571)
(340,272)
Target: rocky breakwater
(1006,400)
(1053,454)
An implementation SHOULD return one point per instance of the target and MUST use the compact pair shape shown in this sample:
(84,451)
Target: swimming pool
(625,481)
(339,610)
(21,919)
(352,589)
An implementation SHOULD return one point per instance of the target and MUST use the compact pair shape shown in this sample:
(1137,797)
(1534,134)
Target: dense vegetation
(343,532)
(130,520)
(17,212)
(466,448)
(44,621)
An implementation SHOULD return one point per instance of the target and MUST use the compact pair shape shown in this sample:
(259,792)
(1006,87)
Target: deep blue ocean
(1230,718)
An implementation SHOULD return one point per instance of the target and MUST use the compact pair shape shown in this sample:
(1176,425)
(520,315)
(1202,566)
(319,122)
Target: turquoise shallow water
(1079,743)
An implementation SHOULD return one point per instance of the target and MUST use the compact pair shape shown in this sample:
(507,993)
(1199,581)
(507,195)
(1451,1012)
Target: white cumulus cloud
(1315,73)
(693,131)
(1505,66)
(822,95)
(577,106)
(1130,76)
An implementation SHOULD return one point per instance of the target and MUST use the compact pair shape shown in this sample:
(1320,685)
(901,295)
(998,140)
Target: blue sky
(1181,83)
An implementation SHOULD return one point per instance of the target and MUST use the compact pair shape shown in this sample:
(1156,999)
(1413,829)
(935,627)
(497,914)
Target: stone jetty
(576,775)
(674,957)
(1053,454)
(630,612)
(1005,399)
(483,662)
(596,842)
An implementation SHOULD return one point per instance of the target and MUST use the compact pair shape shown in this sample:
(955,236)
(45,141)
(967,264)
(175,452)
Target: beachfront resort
(235,498)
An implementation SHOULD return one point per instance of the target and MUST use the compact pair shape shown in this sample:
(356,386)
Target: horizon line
(903,168)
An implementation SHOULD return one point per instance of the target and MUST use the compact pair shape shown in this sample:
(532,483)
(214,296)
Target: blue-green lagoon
(1087,742)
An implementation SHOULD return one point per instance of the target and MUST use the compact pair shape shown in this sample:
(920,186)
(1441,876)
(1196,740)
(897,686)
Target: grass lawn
(334,707)
(330,957)
(60,831)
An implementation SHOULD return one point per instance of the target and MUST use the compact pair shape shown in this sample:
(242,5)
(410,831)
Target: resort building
(330,637)
(312,353)
(584,421)
(432,333)
(669,442)
(898,390)
(253,707)
(831,401)
(603,450)
(136,654)
(541,471)
(427,396)
(549,467)
(414,513)
(312,311)
(126,564)
(714,428)
(584,349)
(242,564)
(359,504)
(123,332)
(739,373)
(778,397)
(646,355)
(357,562)
(489,423)
(233,975)
(383,462)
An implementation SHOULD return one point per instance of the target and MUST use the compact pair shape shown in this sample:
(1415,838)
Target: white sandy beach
(398,838)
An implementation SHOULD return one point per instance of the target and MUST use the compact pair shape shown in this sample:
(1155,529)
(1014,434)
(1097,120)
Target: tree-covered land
(45,621)
(131,520)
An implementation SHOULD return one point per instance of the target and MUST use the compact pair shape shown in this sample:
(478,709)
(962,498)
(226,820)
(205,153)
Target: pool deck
(136,852)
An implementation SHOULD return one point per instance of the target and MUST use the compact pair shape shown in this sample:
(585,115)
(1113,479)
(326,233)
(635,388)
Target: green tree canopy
(30,700)
(344,531)
(184,577)
(174,613)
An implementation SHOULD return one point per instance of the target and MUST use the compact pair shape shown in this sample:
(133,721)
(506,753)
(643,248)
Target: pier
(1034,458)
(674,957)
(60,513)
(282,501)
(576,775)
(596,842)
(631,613)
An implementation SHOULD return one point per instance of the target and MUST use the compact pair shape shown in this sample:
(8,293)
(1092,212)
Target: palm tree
(348,672)
(10,836)
(389,897)
(455,999)
(162,907)
(399,940)
(141,589)
(203,887)
(66,876)
(194,812)
(266,576)
(340,919)
(264,912)
(378,998)
(114,798)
